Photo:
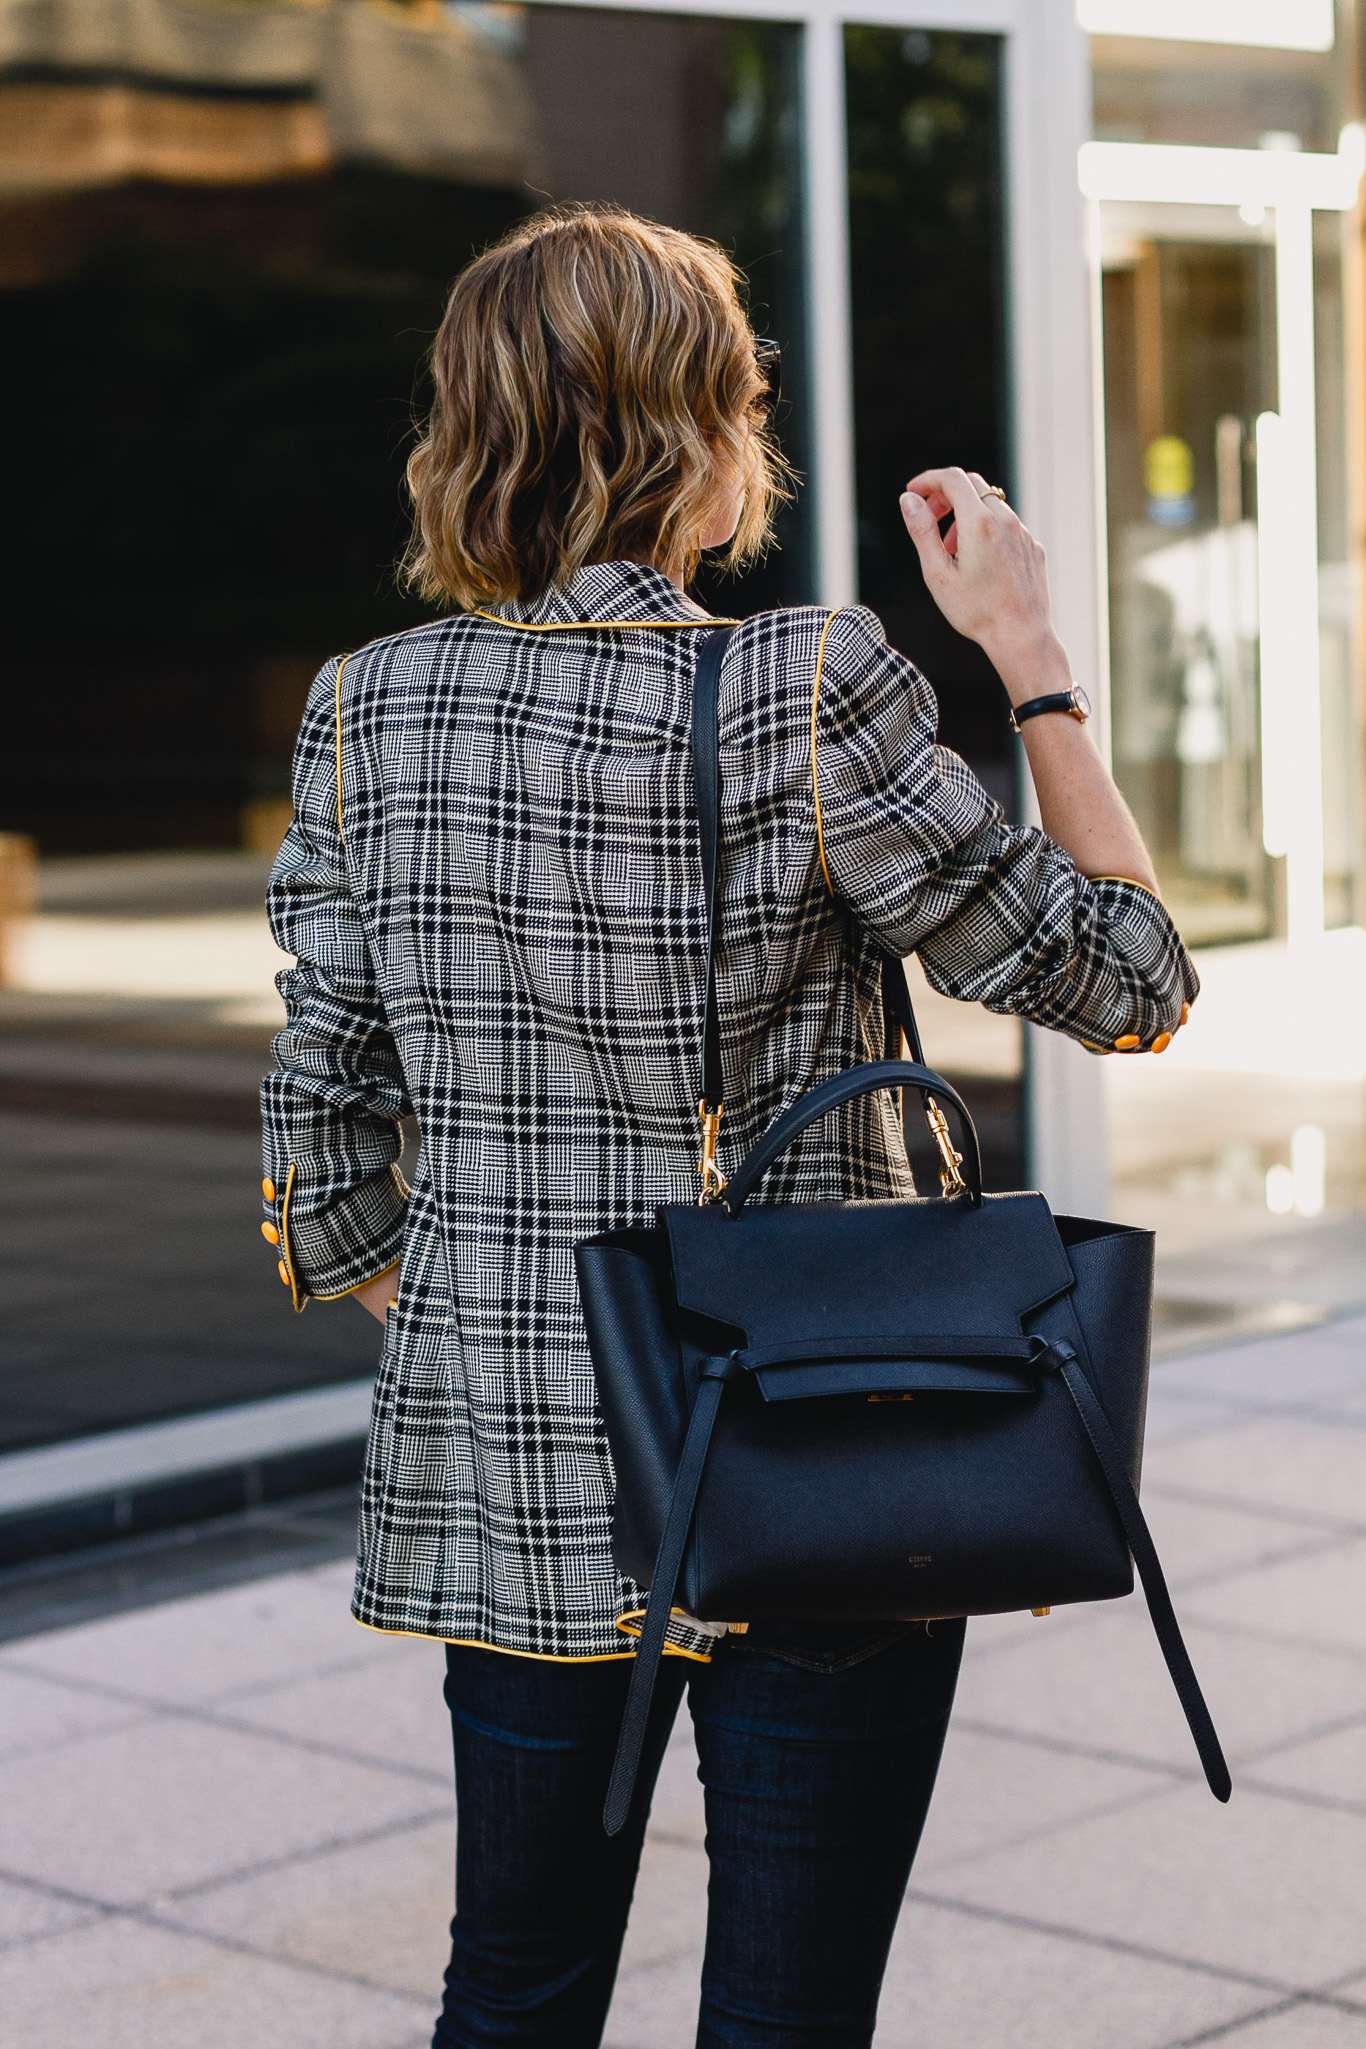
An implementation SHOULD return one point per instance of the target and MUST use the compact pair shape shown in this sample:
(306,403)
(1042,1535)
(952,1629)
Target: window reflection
(926,248)
(1189,364)
(1229,95)
(226,233)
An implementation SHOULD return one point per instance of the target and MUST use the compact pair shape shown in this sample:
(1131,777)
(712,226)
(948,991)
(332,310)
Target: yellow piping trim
(289,1263)
(1125,878)
(674,1650)
(815,779)
(476,1643)
(284,1240)
(594,625)
(341,822)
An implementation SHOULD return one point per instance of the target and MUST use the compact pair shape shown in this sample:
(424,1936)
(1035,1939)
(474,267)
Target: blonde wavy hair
(597,398)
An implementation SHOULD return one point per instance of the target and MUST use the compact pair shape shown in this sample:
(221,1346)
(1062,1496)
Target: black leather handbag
(869,1411)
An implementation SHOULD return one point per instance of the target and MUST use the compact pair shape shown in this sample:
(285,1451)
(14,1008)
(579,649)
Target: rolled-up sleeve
(999,914)
(335,1198)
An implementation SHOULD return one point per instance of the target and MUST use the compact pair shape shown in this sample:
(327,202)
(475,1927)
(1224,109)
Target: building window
(222,259)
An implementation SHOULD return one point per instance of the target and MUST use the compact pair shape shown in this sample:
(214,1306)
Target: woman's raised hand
(988,578)
(987,575)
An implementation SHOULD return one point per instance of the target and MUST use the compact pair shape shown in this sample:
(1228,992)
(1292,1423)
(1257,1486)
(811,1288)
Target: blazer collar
(612,593)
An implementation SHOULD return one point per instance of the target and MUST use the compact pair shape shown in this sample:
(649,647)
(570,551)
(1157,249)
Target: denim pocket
(820,1646)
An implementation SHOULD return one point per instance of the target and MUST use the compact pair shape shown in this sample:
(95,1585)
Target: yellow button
(284,1273)
(270,1234)
(1185,1012)
(1161,1042)
(268,1189)
(1127,1043)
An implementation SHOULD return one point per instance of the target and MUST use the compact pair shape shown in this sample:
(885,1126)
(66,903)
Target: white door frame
(1051,382)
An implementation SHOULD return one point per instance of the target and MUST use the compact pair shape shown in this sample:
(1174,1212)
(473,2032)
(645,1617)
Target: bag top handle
(846,1088)
(900,1012)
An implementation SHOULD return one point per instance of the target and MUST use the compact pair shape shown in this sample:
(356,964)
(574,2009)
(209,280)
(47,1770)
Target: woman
(494,892)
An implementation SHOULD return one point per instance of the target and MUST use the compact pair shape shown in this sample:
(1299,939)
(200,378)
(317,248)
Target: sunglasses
(769,358)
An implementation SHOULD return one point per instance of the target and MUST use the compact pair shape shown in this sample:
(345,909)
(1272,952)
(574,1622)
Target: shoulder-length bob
(596,391)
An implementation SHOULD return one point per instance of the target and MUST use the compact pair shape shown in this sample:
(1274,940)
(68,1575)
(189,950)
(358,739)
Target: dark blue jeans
(818,1750)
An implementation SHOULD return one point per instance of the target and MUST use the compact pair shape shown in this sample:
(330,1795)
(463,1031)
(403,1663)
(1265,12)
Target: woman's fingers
(950,490)
(937,502)
(922,524)
(986,573)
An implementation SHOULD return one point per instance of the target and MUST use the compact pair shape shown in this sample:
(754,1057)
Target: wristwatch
(1074,702)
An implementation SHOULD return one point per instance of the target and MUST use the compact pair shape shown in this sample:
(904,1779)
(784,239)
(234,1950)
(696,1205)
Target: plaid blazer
(493,889)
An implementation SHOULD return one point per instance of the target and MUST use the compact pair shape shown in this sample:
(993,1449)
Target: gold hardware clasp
(1041,1611)
(713,1180)
(950,1180)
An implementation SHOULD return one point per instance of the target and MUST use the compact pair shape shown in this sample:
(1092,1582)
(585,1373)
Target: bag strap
(830,1095)
(1054,1355)
(898,1010)
(663,1585)
(706,768)
(1143,1551)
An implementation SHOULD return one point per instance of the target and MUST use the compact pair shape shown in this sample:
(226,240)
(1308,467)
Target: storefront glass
(1244,1144)
(1189,365)
(225,236)
(926,232)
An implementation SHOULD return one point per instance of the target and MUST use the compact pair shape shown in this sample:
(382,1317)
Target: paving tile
(992,1791)
(1263,1885)
(1313,1367)
(138,1812)
(125,1986)
(1319,1600)
(379,1909)
(656,2008)
(960,1982)
(1281,1462)
(669,1916)
(1100,1683)
(655,2004)
(1302,2027)
(208,1646)
(954,1981)
(1195,1539)
(957,1981)
(388,1709)
(677,1810)
(38,1714)
(336,1580)
(1172,1416)
(1331,1767)
(1355,1406)
(26,1912)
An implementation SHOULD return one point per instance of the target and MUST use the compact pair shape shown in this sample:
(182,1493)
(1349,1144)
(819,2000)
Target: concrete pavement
(225,1820)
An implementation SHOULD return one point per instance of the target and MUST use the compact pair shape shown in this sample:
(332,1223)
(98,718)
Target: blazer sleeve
(331,1111)
(999,914)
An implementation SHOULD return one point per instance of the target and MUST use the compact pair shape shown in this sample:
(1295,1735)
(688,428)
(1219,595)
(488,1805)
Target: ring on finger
(995,491)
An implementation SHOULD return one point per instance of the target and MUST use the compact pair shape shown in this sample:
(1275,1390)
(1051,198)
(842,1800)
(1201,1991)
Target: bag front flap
(799,1276)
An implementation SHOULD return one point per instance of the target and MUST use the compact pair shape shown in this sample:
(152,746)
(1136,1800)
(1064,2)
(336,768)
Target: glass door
(1190,364)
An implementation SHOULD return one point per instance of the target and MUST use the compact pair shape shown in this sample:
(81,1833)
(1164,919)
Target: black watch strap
(1074,702)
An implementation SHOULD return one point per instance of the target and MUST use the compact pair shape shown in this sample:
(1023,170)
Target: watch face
(1081,701)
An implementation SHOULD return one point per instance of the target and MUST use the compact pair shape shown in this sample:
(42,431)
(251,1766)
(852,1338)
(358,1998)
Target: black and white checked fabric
(500,925)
